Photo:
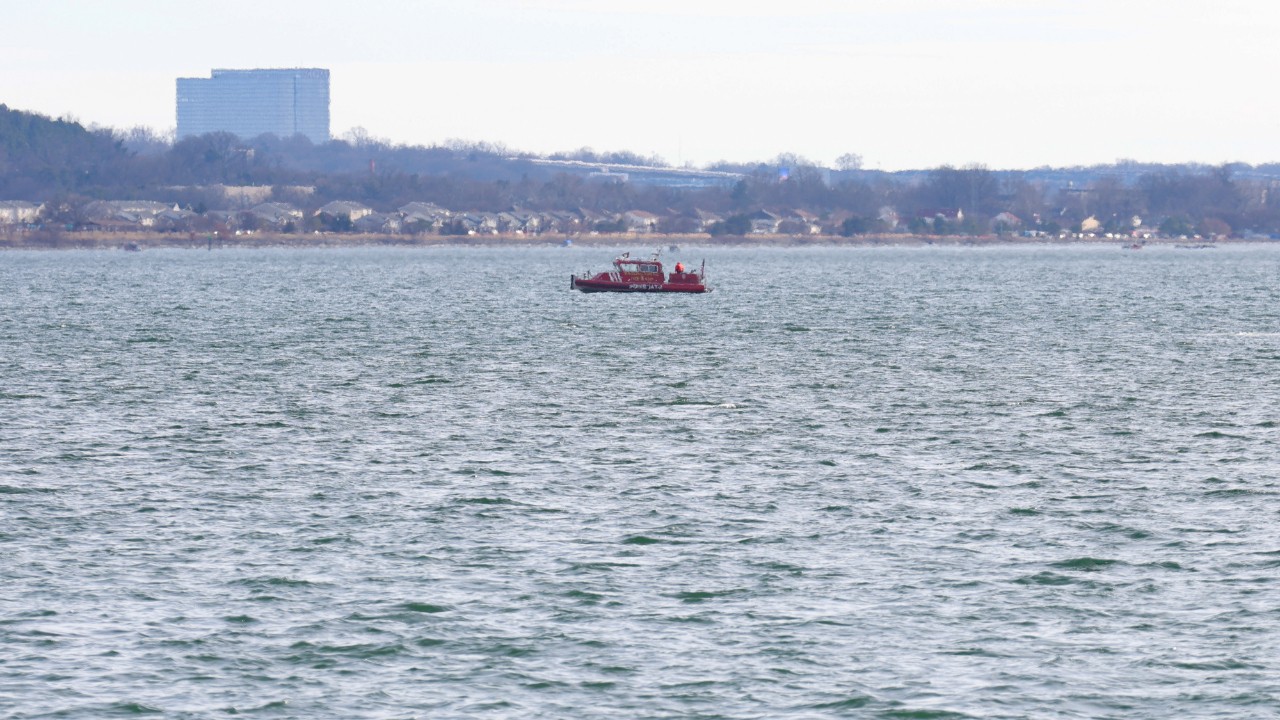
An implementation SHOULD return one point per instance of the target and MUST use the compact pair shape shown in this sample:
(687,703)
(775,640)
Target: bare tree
(849,161)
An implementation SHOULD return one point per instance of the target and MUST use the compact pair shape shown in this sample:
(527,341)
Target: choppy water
(884,483)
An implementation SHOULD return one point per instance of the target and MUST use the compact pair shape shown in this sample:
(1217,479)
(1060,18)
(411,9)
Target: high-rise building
(285,102)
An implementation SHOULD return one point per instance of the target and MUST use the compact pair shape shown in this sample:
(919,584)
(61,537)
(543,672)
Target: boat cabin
(633,270)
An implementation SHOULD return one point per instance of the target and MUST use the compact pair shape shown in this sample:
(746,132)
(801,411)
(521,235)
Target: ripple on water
(933,483)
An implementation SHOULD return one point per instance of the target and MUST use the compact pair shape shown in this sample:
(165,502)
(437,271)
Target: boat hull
(596,285)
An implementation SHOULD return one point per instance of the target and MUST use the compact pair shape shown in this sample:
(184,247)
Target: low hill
(40,156)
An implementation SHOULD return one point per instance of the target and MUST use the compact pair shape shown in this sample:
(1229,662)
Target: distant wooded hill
(61,163)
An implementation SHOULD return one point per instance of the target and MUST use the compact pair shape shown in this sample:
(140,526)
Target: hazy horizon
(904,85)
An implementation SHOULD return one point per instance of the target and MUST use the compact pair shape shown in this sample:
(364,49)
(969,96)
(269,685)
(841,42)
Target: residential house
(13,212)
(562,221)
(527,222)
(888,217)
(275,214)
(805,222)
(592,220)
(465,225)
(764,222)
(138,213)
(336,209)
(705,219)
(476,224)
(418,223)
(423,217)
(422,210)
(640,221)
(175,218)
(932,215)
(224,218)
(379,223)
(1005,222)
(835,221)
(507,223)
(518,222)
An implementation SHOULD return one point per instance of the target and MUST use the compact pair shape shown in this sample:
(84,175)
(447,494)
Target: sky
(903,83)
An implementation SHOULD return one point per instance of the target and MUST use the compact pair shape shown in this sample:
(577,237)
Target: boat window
(648,268)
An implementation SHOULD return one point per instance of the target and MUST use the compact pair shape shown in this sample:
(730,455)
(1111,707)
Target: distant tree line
(61,163)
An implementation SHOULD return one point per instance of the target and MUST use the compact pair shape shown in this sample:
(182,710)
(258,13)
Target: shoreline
(96,240)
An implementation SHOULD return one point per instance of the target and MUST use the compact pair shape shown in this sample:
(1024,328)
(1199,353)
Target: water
(880,483)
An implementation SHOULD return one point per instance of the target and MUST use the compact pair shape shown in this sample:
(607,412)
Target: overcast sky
(904,83)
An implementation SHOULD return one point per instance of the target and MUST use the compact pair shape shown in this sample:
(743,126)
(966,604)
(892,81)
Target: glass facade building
(248,103)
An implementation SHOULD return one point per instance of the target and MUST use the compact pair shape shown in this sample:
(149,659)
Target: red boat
(634,275)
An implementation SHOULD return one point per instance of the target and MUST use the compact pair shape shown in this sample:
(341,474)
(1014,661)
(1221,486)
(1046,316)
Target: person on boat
(680,267)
